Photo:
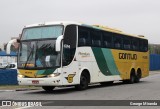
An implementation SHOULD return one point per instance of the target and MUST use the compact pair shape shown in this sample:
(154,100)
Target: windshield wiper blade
(31,53)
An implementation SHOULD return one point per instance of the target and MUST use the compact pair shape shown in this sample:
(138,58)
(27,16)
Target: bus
(66,53)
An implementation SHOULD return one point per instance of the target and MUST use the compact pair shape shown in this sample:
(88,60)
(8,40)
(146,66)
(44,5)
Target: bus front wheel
(48,88)
(83,83)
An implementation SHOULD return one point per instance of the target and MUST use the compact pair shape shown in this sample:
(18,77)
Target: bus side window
(126,43)
(143,45)
(84,36)
(135,44)
(117,42)
(82,41)
(145,42)
(96,38)
(107,40)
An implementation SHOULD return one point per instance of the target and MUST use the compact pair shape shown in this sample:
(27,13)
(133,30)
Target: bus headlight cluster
(20,76)
(54,75)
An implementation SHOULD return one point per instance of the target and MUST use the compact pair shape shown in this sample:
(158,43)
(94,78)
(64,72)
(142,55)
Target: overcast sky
(140,17)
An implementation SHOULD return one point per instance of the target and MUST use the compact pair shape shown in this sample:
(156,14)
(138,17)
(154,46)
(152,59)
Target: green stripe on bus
(110,61)
(105,61)
(101,61)
(45,72)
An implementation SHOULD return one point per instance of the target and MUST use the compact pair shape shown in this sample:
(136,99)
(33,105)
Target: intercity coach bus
(53,54)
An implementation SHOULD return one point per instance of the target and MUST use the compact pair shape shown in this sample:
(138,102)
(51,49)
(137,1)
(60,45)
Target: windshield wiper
(31,53)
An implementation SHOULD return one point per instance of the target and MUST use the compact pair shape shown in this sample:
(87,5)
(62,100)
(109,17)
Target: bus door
(70,65)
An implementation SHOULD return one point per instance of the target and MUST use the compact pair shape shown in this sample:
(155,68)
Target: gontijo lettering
(128,56)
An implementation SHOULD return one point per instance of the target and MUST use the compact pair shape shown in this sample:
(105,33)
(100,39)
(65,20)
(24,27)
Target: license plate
(35,82)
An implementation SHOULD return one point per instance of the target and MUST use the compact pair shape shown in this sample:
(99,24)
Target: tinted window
(96,38)
(143,45)
(126,43)
(70,37)
(117,41)
(140,45)
(135,44)
(107,40)
(84,36)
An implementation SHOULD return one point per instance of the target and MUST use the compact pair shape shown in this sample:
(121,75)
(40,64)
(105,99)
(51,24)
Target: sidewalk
(17,87)
(154,72)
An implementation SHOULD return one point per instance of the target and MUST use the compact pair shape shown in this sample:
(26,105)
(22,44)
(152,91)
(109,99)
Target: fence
(8,77)
(154,62)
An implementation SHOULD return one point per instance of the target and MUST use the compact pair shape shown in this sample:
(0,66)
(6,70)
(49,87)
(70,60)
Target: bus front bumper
(40,81)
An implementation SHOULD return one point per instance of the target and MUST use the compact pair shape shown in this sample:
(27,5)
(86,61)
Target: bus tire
(132,78)
(138,76)
(83,82)
(48,88)
(106,83)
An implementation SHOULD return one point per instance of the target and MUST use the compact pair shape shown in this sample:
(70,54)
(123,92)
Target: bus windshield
(42,32)
(38,54)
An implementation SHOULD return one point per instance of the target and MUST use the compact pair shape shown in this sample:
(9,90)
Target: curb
(25,89)
(7,90)
(17,90)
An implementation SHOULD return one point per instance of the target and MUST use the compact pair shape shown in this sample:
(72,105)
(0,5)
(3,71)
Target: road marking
(7,90)
(23,107)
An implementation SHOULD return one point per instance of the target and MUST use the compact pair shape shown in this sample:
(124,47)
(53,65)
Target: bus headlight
(54,75)
(20,76)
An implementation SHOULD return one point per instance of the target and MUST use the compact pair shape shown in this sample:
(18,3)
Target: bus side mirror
(18,41)
(58,43)
(11,42)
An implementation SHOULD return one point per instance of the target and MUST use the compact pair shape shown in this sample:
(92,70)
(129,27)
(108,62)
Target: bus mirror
(18,41)
(58,43)
(11,42)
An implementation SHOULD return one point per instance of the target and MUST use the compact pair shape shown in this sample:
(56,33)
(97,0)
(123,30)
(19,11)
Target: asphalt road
(147,89)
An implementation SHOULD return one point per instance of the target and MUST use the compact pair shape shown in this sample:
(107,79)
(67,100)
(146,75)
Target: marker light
(20,76)
(54,75)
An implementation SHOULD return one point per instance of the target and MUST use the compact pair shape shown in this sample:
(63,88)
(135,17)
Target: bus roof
(118,31)
(100,27)
(53,23)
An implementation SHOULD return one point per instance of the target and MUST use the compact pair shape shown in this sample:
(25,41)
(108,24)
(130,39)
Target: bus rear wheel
(138,76)
(48,88)
(132,78)
(83,83)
